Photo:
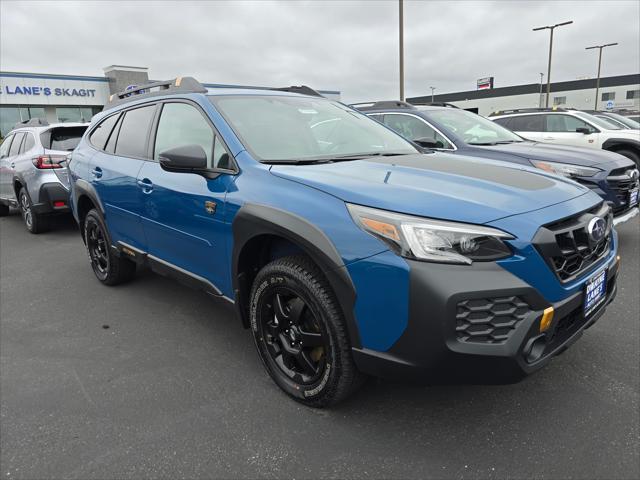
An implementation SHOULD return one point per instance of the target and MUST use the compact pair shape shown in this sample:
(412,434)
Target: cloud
(350,46)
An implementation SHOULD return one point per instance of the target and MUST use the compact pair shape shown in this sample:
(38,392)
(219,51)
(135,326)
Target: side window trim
(8,141)
(216,135)
(453,145)
(97,126)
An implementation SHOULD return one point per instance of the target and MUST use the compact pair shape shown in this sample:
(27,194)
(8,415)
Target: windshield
(625,121)
(472,128)
(282,128)
(599,122)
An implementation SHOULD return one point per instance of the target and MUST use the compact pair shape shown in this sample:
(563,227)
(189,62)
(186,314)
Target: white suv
(571,127)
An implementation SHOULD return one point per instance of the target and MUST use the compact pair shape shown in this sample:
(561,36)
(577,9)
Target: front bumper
(434,348)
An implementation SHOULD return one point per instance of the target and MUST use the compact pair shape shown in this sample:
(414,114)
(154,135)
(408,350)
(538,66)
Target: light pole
(432,90)
(599,47)
(540,98)
(401,32)
(551,28)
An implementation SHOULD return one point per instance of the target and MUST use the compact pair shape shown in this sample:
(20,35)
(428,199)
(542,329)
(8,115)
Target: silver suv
(33,171)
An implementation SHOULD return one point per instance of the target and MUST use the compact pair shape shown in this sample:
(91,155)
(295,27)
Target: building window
(10,116)
(631,94)
(75,114)
(606,96)
(559,100)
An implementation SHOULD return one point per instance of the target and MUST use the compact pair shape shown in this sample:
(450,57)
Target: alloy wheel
(97,245)
(293,337)
(25,209)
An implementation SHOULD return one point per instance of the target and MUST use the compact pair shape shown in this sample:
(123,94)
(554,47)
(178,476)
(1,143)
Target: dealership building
(618,92)
(71,98)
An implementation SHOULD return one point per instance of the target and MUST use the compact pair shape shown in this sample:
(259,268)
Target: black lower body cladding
(436,347)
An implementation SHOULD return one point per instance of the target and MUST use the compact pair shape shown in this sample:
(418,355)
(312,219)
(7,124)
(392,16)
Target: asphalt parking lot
(173,388)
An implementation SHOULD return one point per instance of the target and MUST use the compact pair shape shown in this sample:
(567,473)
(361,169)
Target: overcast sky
(337,45)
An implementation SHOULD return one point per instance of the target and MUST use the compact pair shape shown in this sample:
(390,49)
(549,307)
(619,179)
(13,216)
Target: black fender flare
(621,142)
(17,177)
(82,187)
(253,220)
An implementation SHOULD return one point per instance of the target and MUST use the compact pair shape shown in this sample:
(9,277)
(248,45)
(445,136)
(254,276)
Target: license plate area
(595,292)
(633,197)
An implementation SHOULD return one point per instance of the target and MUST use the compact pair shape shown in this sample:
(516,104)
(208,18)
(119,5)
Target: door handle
(13,164)
(97,172)
(146,185)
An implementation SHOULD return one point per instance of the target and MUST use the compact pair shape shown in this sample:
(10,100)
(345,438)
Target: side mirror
(186,158)
(584,130)
(429,143)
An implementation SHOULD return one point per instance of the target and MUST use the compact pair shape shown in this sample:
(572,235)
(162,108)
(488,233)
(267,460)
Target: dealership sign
(485,83)
(58,92)
(19,89)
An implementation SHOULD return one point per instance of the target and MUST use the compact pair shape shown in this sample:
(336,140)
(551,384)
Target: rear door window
(4,148)
(28,144)
(15,145)
(527,123)
(134,132)
(101,133)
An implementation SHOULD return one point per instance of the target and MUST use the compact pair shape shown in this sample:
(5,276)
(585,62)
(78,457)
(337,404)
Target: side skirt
(166,269)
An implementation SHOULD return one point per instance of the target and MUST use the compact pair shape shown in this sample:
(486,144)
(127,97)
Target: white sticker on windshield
(308,111)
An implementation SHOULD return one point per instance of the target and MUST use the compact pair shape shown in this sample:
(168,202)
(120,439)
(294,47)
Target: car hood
(586,157)
(437,185)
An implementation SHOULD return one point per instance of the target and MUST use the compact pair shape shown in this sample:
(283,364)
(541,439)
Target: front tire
(35,223)
(300,333)
(109,268)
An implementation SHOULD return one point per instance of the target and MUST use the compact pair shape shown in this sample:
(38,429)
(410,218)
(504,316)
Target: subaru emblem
(597,228)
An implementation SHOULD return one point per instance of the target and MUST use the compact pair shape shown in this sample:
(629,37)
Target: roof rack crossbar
(382,105)
(301,89)
(32,122)
(166,87)
(527,110)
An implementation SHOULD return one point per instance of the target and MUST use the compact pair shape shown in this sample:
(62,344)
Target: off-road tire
(300,277)
(108,267)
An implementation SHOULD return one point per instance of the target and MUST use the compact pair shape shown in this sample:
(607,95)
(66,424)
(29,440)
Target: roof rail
(167,87)
(529,110)
(437,104)
(301,89)
(364,106)
(32,122)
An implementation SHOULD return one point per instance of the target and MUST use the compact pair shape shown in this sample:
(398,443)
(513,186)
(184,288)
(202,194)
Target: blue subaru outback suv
(344,249)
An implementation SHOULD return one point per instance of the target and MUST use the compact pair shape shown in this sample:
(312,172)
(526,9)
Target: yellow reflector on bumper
(547,318)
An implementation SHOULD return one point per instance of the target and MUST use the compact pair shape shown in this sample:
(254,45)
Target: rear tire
(631,156)
(35,223)
(109,268)
(300,333)
(4,210)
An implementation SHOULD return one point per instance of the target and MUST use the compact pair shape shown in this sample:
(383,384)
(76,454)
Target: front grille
(567,246)
(622,181)
(489,320)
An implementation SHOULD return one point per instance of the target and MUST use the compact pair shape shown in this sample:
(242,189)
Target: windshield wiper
(337,158)
(482,143)
(509,141)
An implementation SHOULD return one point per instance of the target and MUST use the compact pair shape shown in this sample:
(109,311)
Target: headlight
(565,169)
(432,240)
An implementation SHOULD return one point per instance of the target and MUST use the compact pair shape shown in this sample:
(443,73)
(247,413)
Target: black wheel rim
(293,337)
(97,246)
(25,208)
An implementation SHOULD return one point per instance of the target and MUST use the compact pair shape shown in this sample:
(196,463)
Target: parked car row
(347,249)
(446,128)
